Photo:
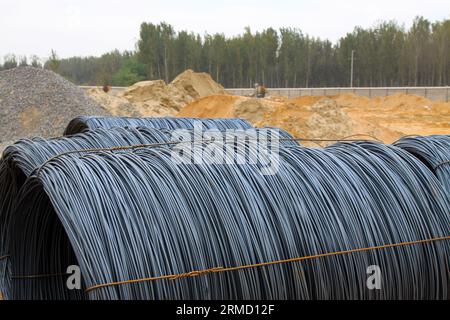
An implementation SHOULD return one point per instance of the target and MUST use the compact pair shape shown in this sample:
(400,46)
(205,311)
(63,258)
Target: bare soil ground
(387,118)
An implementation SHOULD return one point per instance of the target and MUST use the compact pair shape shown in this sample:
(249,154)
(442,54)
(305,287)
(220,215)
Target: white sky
(92,27)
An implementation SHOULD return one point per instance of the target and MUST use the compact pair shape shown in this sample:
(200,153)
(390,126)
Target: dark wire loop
(121,215)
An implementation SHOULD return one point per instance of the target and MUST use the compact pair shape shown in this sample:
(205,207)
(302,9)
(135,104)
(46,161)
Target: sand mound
(398,102)
(152,99)
(386,118)
(322,117)
(116,106)
(254,110)
(328,120)
(196,85)
(350,100)
(321,120)
(228,106)
(397,115)
(306,100)
(441,108)
(401,101)
(216,106)
(37,102)
(156,98)
(143,91)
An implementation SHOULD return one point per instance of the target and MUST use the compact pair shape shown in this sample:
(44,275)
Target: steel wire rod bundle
(82,124)
(20,159)
(420,209)
(374,209)
(138,214)
(23,157)
(434,151)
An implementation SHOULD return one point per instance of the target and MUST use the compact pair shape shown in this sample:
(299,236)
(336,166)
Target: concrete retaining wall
(432,93)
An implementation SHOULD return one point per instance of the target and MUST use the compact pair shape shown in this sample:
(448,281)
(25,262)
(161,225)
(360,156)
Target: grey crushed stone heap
(36,102)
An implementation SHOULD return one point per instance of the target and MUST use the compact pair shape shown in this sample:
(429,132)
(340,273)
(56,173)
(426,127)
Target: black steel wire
(20,159)
(434,151)
(134,214)
(82,124)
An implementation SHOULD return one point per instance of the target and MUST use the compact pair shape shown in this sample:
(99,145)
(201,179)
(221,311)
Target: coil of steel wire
(136,214)
(20,159)
(434,151)
(82,124)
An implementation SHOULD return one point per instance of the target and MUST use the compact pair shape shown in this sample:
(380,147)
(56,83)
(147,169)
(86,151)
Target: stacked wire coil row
(22,158)
(83,124)
(432,151)
(134,213)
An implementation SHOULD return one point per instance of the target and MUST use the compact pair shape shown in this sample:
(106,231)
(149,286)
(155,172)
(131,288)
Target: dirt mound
(228,106)
(216,106)
(116,106)
(389,118)
(321,120)
(306,100)
(151,98)
(328,120)
(255,110)
(196,85)
(441,108)
(397,102)
(144,90)
(156,98)
(305,117)
(37,102)
(385,118)
(350,100)
(401,101)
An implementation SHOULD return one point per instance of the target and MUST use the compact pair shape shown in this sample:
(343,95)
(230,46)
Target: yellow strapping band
(265,264)
(441,164)
(38,276)
(4,257)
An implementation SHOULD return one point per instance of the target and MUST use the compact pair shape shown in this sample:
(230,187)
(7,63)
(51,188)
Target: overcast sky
(90,27)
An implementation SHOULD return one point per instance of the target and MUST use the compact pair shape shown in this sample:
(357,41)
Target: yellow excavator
(260,90)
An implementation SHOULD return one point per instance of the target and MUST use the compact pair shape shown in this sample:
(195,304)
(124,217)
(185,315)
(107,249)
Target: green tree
(23,62)
(132,71)
(10,62)
(35,62)
(53,62)
(385,55)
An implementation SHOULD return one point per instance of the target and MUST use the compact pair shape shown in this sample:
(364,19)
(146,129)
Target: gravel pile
(36,102)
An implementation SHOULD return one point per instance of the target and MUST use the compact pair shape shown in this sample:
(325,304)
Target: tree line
(387,54)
